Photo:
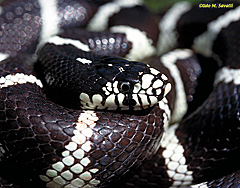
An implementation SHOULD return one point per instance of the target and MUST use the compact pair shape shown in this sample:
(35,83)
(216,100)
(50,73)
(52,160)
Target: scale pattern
(44,144)
(232,180)
(222,149)
(113,141)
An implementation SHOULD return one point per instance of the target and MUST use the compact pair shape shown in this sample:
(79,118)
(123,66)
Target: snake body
(79,109)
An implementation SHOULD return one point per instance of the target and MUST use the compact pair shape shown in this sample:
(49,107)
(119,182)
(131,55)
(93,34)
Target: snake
(106,93)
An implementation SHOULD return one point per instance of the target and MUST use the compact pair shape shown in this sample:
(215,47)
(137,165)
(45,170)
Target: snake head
(127,85)
(71,76)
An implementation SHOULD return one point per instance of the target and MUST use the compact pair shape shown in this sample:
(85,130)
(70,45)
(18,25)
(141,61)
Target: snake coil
(105,93)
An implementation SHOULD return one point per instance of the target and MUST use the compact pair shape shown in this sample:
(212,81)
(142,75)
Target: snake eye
(125,87)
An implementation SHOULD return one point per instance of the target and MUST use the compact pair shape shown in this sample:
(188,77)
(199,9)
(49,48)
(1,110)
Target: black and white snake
(97,120)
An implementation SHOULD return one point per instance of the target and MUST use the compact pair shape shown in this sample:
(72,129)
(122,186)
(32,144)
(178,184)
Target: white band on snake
(106,93)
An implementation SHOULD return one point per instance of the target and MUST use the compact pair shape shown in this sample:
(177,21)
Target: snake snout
(139,92)
(154,87)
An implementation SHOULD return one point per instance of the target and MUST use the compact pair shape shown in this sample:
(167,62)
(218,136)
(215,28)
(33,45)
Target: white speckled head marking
(84,61)
(61,173)
(167,89)
(125,95)
(147,80)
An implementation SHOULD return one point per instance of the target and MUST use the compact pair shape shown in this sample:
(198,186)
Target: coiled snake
(78,108)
